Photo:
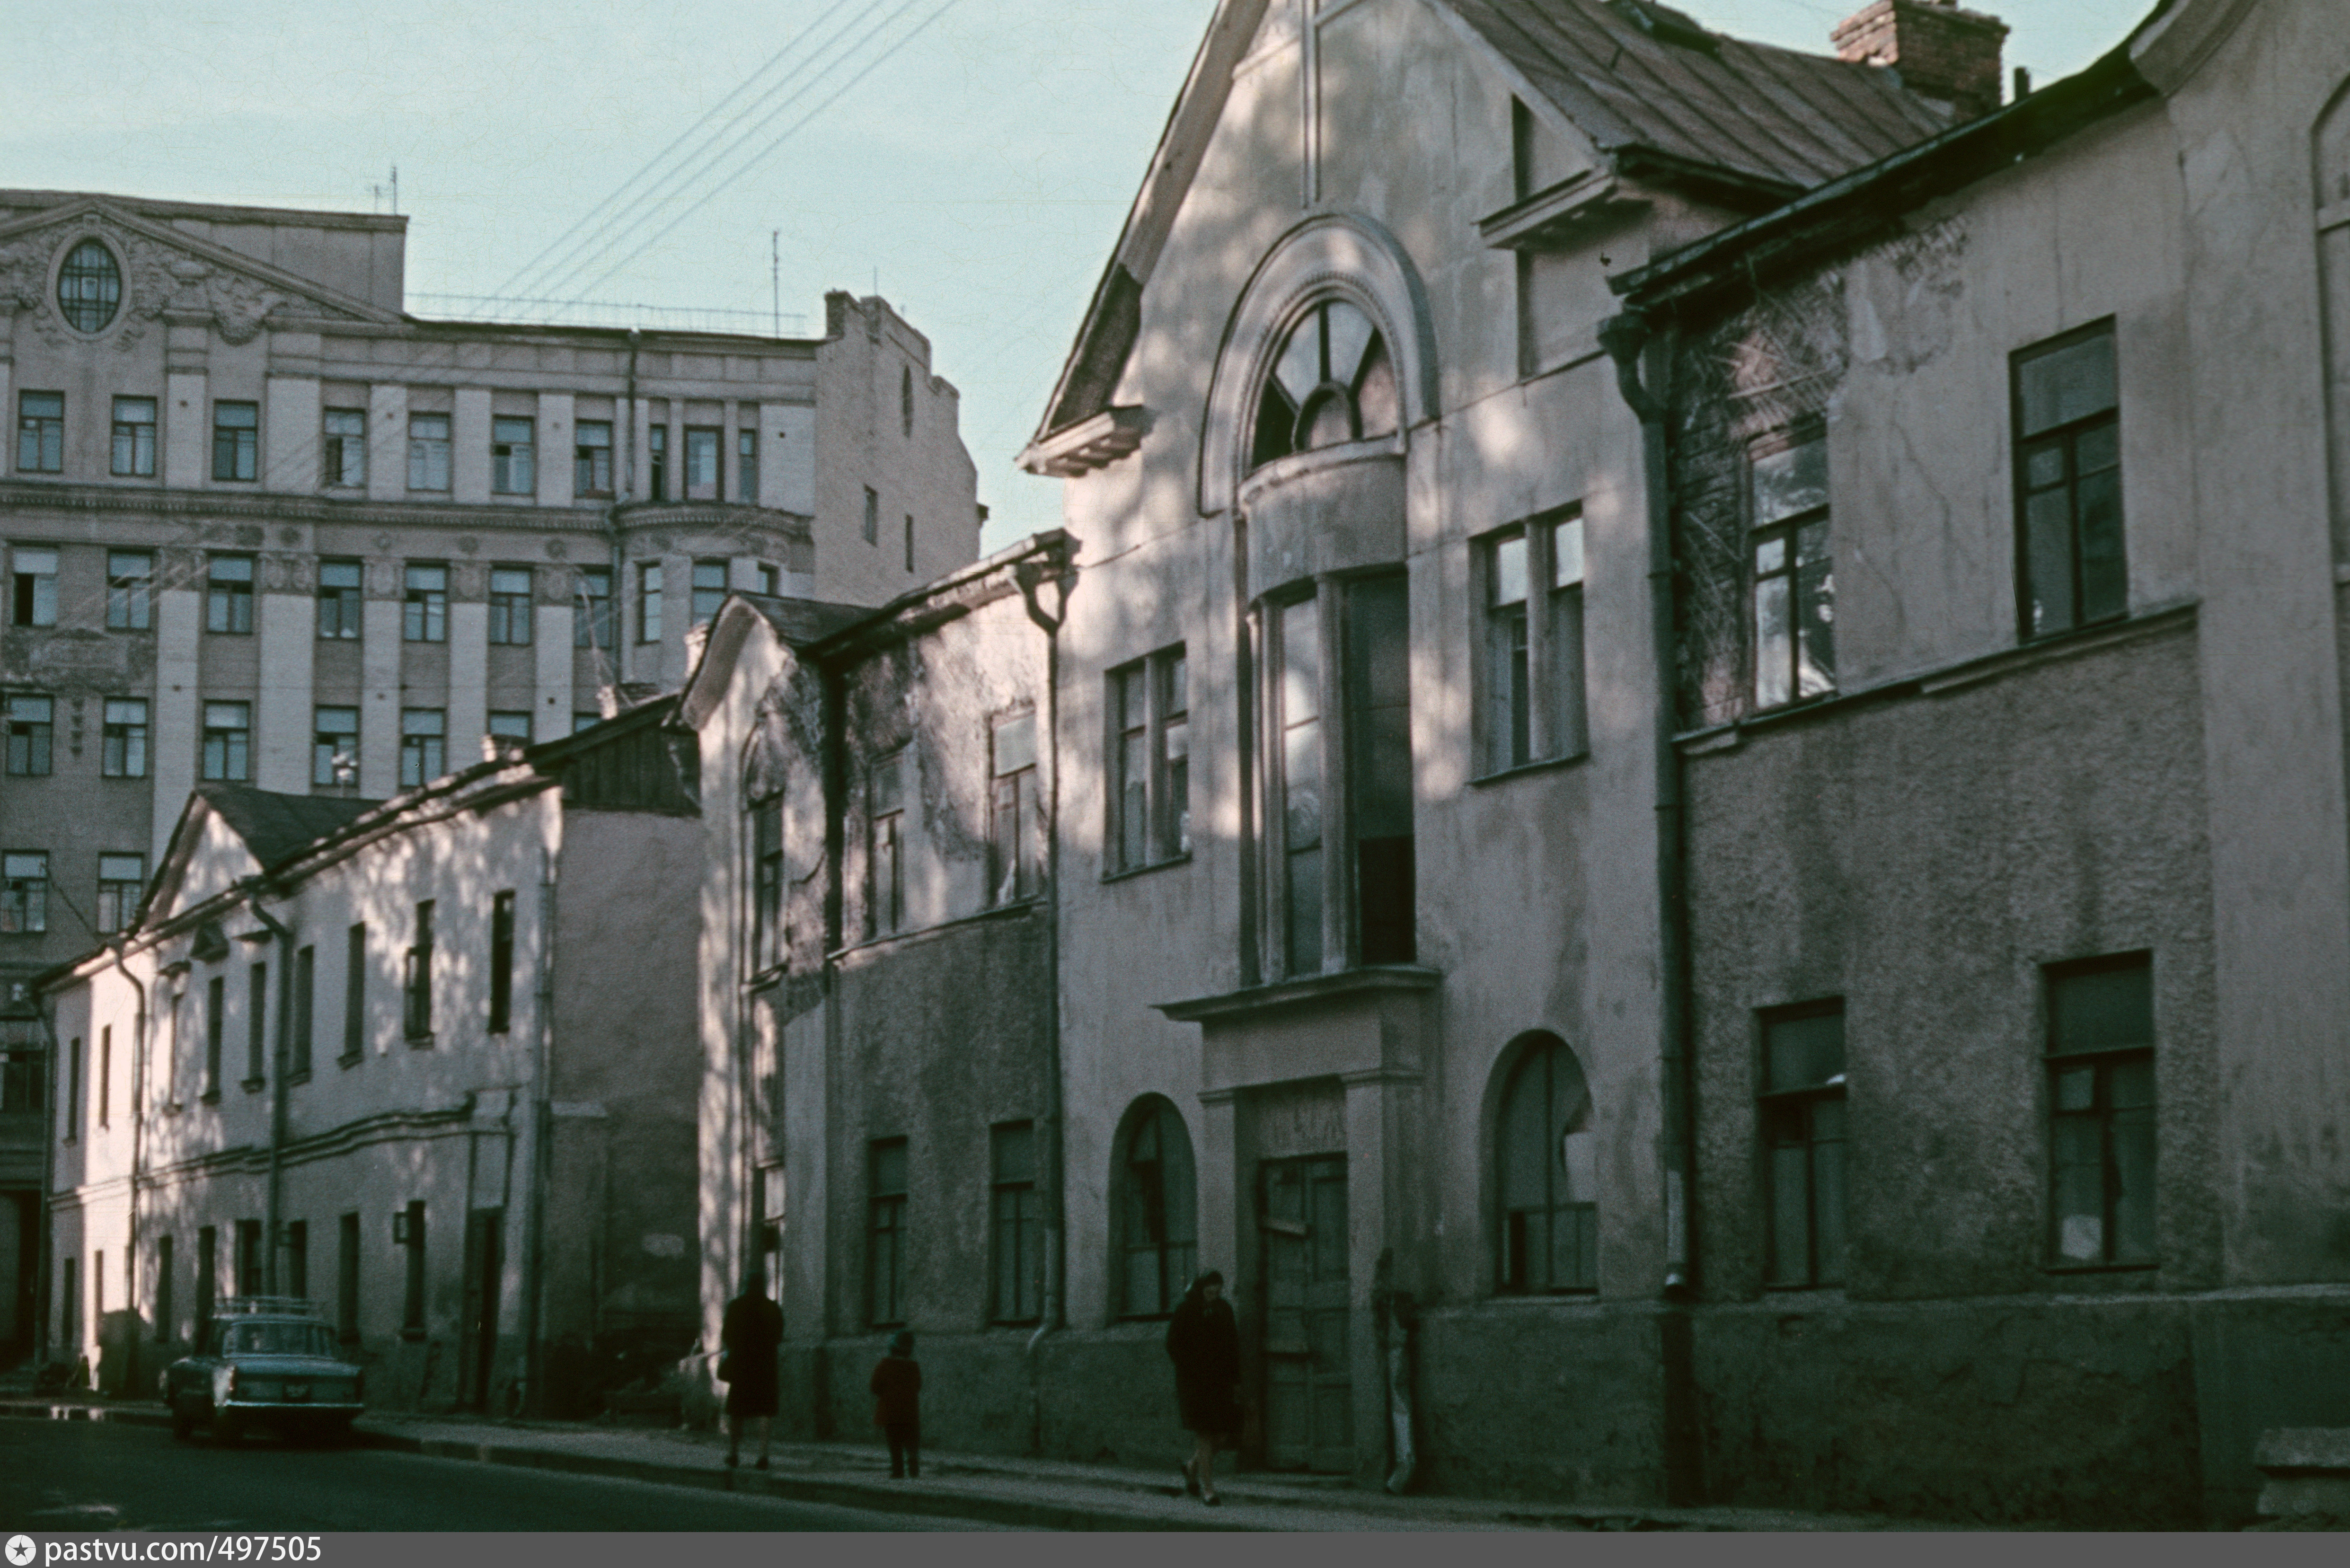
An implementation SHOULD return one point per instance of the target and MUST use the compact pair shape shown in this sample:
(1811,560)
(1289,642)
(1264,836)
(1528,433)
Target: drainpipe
(627,493)
(279,1062)
(137,1118)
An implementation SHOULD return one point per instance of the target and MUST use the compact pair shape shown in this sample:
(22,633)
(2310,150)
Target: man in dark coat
(1204,1343)
(897,1387)
(754,1331)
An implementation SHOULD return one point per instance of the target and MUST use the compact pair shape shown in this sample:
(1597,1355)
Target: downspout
(277,1087)
(627,493)
(1624,338)
(138,1113)
(542,1123)
(51,1135)
(1032,575)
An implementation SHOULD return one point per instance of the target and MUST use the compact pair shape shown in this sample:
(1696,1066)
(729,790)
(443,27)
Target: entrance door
(1309,1416)
(485,1264)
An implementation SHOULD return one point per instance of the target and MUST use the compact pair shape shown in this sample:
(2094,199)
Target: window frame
(2065,435)
(1016,852)
(428,753)
(41,431)
(1775,555)
(885,843)
(1799,1105)
(355,1018)
(342,452)
(591,612)
(236,441)
(514,454)
(229,585)
(256,1025)
(128,457)
(765,839)
(28,915)
(502,957)
(119,896)
(1162,732)
(591,460)
(2102,1062)
(423,605)
(416,981)
(129,590)
(746,465)
(707,596)
(33,599)
(512,610)
(333,764)
(1512,1270)
(428,451)
(652,586)
(704,441)
(303,1026)
(1015,1225)
(1134,1211)
(1539,636)
(341,607)
(234,742)
(887,1212)
(104,290)
(124,743)
(31,740)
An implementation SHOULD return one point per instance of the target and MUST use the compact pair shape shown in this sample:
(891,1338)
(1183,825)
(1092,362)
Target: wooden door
(1309,1416)
(485,1264)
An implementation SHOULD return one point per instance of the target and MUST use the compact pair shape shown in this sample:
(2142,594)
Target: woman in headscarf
(1204,1343)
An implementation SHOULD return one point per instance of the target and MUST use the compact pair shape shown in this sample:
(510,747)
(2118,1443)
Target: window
(428,451)
(105,1073)
(335,748)
(771,581)
(416,982)
(649,602)
(35,599)
(228,595)
(591,623)
(216,1020)
(256,1025)
(1157,1234)
(343,444)
(250,1261)
(236,441)
(98,1290)
(1015,1225)
(122,879)
(885,869)
(123,745)
(884,1236)
(905,399)
(2101,1112)
(1018,840)
(354,995)
(657,462)
(872,516)
(1794,585)
(30,731)
(129,590)
(422,735)
(1298,742)
(1549,1174)
(511,724)
(584,721)
(69,1114)
(304,1021)
(68,1308)
(767,883)
(1149,795)
(514,468)
(90,287)
(40,433)
(746,467)
(700,464)
(346,1279)
(297,1257)
(709,590)
(342,586)
(502,944)
(412,1317)
(1332,383)
(134,456)
(1803,1120)
(2068,484)
(910,541)
(228,742)
(424,611)
(1531,693)
(207,1274)
(591,458)
(510,607)
(163,1324)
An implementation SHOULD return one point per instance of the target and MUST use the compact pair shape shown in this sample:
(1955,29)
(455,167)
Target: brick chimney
(1940,51)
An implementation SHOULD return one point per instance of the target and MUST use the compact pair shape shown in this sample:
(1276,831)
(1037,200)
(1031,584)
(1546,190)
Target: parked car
(268,1361)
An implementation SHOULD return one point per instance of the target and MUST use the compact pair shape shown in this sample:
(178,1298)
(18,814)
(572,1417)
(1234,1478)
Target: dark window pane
(2104,581)
(2048,562)
(2072,383)
(2101,1010)
(1803,1053)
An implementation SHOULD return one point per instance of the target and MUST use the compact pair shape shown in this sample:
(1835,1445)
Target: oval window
(90,287)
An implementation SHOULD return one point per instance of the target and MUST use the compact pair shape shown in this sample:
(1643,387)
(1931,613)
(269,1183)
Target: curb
(121,1414)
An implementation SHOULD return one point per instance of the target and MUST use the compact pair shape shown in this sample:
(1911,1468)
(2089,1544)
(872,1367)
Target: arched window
(1332,383)
(90,287)
(1158,1238)
(1548,1174)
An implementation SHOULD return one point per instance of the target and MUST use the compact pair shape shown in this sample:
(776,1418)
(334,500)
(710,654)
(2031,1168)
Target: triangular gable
(205,858)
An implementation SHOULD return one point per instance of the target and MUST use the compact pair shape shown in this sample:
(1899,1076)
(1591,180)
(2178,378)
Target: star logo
(20,1550)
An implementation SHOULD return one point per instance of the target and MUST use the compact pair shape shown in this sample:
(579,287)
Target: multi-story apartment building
(263,528)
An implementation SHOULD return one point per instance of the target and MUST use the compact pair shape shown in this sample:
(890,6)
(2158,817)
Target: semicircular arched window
(1333,382)
(90,287)
(1158,1235)
(1548,1175)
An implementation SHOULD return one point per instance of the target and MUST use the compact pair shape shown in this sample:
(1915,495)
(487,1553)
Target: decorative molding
(1342,983)
(1089,444)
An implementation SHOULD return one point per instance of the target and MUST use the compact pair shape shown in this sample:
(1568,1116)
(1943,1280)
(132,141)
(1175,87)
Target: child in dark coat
(898,1405)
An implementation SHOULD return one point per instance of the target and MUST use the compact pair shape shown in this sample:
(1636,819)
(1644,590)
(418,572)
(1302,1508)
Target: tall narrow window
(1802,1117)
(1529,696)
(513,457)
(236,441)
(746,467)
(1794,585)
(354,995)
(1378,769)
(885,872)
(342,588)
(1130,792)
(2101,1113)
(428,451)
(343,449)
(771,580)
(207,1281)
(228,742)
(122,744)
(71,1114)
(335,748)
(709,590)
(1298,731)
(702,463)
(767,883)
(304,1022)
(34,580)
(228,595)
(163,1324)
(40,432)
(502,957)
(1508,679)
(1018,837)
(905,399)
(416,982)
(510,605)
(423,739)
(657,462)
(105,1073)
(129,590)
(591,458)
(910,541)
(256,1025)
(591,611)
(346,1279)
(251,1262)
(297,1259)
(68,1308)
(1157,1230)
(215,1021)
(1150,795)
(649,602)
(872,515)
(31,730)
(122,879)
(1564,701)
(1548,1181)
(885,1235)
(1016,1224)
(424,608)
(1174,813)
(2068,484)
(133,454)
(24,892)
(411,1316)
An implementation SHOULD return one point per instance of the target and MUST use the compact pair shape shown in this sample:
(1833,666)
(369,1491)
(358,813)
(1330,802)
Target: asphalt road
(67,1476)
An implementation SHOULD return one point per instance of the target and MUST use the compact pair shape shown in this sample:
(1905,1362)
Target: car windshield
(276,1339)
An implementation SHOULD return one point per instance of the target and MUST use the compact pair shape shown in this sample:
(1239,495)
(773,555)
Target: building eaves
(166,212)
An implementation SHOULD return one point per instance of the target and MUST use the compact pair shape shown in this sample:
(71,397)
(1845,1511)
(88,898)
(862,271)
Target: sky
(973,159)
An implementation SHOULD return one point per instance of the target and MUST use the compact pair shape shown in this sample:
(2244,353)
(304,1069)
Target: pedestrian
(897,1387)
(746,1363)
(1204,1343)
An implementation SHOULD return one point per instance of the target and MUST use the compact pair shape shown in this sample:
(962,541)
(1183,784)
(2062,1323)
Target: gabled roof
(1652,91)
(273,826)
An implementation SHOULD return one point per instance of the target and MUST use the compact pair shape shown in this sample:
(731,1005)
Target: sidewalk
(1034,1494)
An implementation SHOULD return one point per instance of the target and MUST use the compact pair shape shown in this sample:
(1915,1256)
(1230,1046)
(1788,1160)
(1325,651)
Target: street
(89,1476)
